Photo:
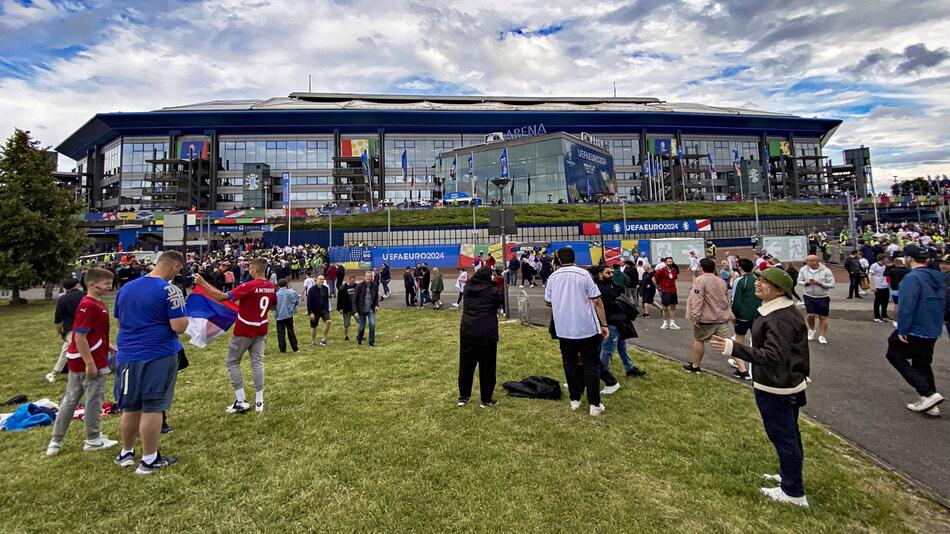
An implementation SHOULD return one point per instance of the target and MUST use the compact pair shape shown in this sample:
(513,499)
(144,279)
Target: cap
(916,252)
(778,278)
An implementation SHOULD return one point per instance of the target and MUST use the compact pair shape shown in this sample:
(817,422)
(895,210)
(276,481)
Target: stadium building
(349,148)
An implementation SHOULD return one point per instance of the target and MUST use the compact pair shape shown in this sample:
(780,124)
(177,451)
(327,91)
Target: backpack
(534,387)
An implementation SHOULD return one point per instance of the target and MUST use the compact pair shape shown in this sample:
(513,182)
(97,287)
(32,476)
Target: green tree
(39,240)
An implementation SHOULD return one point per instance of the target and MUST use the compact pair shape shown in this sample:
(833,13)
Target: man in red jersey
(665,276)
(255,298)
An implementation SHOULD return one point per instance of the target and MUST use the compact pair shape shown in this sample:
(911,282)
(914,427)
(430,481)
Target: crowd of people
(743,307)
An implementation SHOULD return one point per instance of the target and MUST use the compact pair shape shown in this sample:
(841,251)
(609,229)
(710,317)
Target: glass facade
(135,155)
(112,160)
(279,154)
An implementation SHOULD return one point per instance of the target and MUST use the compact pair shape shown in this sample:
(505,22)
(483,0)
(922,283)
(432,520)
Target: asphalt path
(854,390)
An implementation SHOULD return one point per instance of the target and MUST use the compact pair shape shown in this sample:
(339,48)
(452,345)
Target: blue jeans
(361,327)
(780,418)
(612,342)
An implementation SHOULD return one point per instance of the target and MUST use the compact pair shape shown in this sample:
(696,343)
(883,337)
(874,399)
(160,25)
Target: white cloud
(170,53)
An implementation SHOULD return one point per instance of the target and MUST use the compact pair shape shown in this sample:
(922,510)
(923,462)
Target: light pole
(600,226)
(500,183)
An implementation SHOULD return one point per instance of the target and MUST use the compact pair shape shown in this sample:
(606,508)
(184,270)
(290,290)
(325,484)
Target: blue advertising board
(351,254)
(285,189)
(581,250)
(588,172)
(403,256)
(655,227)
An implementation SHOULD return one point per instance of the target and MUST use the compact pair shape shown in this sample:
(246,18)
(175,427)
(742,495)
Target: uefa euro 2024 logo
(252,182)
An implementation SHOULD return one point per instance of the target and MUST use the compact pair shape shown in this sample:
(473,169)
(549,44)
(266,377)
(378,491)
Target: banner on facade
(648,227)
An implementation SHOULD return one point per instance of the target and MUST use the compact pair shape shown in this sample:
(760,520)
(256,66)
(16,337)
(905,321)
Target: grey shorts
(346,319)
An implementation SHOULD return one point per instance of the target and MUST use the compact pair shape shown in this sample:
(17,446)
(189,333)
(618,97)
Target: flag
(452,170)
(364,161)
(412,179)
(735,161)
(471,163)
(208,318)
(589,191)
(503,161)
(768,160)
(404,165)
(712,168)
(193,149)
(529,185)
(647,166)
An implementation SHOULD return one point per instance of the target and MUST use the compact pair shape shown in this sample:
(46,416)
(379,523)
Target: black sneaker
(742,375)
(166,429)
(159,463)
(346,338)
(463,401)
(489,404)
(636,371)
(124,460)
(690,369)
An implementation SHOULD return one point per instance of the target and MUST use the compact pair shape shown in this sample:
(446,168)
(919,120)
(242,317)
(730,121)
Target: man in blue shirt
(287,300)
(919,324)
(151,314)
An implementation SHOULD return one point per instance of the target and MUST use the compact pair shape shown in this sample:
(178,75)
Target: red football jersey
(254,299)
(91,319)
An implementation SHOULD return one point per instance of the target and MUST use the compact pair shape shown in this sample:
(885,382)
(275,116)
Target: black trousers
(881,296)
(410,296)
(854,289)
(286,326)
(581,359)
(917,372)
(482,355)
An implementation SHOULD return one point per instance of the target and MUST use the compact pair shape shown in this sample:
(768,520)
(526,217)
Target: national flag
(452,170)
(351,148)
(405,169)
(207,318)
(529,185)
(712,168)
(735,161)
(412,179)
(503,161)
(364,161)
(233,214)
(647,167)
(768,161)
(471,163)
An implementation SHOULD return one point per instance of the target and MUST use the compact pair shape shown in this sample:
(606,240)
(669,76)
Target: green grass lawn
(370,440)
(572,214)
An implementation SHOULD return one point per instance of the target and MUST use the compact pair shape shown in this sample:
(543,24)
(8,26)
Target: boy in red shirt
(255,298)
(87,359)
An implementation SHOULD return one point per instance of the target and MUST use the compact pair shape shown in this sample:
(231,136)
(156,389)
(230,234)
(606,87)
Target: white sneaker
(811,335)
(455,305)
(822,340)
(876,320)
(53,448)
(51,377)
(610,390)
(674,326)
(102,443)
(772,478)
(259,407)
(933,412)
(732,362)
(894,323)
(238,407)
(926,403)
(664,326)
(777,495)
(575,405)
(597,410)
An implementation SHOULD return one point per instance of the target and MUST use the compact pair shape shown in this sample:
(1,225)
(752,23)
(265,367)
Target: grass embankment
(370,440)
(570,214)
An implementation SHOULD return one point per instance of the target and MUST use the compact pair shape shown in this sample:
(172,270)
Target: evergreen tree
(39,240)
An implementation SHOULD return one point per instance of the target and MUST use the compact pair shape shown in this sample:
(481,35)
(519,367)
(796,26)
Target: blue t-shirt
(144,308)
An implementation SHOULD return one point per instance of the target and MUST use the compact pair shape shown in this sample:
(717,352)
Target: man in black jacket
(855,272)
(425,277)
(318,308)
(344,304)
(65,311)
(409,281)
(780,368)
(619,325)
(478,337)
(366,304)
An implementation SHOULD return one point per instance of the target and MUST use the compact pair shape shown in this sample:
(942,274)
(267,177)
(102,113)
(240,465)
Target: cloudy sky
(881,66)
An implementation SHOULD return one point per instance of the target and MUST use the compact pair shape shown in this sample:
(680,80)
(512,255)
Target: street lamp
(500,183)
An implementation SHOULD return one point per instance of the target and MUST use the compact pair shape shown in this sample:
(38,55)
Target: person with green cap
(780,368)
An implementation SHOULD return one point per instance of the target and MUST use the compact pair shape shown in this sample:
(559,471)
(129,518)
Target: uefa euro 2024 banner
(588,173)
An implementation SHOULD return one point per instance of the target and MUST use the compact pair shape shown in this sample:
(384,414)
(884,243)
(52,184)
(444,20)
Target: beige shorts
(705,332)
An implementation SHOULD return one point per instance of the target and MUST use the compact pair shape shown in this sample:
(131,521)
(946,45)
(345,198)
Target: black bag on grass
(534,387)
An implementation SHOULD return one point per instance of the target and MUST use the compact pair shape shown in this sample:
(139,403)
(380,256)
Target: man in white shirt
(882,290)
(580,324)
(694,265)
(308,282)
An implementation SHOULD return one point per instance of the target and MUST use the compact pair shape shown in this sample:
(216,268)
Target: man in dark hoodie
(478,337)
(780,368)
(919,324)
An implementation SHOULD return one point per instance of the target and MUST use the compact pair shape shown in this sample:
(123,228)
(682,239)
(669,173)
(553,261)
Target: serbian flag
(208,318)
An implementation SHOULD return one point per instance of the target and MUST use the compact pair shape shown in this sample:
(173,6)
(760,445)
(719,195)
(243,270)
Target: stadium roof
(362,114)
